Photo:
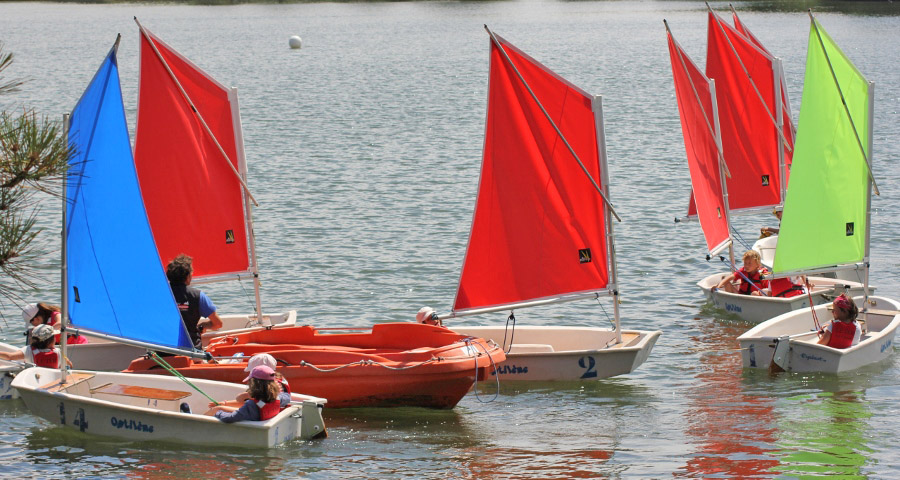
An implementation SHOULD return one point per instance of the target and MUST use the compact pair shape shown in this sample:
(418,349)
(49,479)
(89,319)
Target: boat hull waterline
(549,353)
(803,354)
(147,408)
(756,309)
(387,365)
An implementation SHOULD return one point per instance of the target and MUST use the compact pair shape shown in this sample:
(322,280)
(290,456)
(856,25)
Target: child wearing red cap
(843,331)
(266,399)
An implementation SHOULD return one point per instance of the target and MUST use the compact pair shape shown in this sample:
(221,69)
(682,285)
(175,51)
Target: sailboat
(190,157)
(186,165)
(130,302)
(191,165)
(737,143)
(542,227)
(827,219)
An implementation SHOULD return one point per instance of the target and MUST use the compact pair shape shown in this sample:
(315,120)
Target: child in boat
(266,399)
(769,231)
(749,276)
(36,314)
(843,330)
(42,351)
(255,361)
(45,314)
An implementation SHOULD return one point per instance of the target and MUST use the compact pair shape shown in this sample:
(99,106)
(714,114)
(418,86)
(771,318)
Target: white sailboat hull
(766,248)
(8,371)
(803,354)
(147,408)
(551,353)
(753,308)
(106,355)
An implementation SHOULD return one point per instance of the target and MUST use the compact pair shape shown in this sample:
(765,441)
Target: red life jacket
(842,334)
(268,410)
(285,386)
(745,288)
(46,358)
(783,287)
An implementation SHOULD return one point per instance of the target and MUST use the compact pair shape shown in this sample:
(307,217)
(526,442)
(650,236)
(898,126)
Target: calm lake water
(364,151)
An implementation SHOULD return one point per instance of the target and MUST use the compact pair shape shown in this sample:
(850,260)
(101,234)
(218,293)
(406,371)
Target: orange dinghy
(391,364)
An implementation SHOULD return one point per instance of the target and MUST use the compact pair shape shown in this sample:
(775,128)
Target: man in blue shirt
(197,311)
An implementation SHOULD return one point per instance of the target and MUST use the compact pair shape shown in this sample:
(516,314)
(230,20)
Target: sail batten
(114,280)
(538,229)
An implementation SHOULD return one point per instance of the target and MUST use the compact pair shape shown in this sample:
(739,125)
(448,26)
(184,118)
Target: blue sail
(116,283)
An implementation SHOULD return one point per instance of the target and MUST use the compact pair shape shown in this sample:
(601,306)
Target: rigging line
(511,317)
(552,123)
(740,238)
(196,112)
(469,342)
(697,97)
(164,364)
(785,105)
(752,82)
(844,102)
(812,307)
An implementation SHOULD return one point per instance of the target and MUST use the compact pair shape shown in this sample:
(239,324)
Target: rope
(812,308)
(611,321)
(493,368)
(740,239)
(737,271)
(251,323)
(512,335)
(162,363)
(304,363)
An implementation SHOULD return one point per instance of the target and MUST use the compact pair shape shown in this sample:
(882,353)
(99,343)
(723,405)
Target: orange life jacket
(746,288)
(783,287)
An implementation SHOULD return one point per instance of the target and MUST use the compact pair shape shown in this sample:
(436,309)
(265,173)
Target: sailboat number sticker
(584,255)
(229,236)
(849,229)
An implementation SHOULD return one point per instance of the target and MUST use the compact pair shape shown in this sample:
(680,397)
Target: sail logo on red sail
(584,255)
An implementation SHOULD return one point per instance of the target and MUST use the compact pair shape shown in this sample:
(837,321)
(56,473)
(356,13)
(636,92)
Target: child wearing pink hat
(265,399)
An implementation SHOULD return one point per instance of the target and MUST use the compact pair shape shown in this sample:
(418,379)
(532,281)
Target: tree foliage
(34,156)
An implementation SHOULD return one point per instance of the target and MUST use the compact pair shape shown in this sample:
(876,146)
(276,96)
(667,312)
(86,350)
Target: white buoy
(295,42)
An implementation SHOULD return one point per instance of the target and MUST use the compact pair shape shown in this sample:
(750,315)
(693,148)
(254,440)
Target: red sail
(789,132)
(193,198)
(746,95)
(539,225)
(696,105)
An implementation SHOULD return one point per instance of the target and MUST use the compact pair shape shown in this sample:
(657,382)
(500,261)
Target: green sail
(824,220)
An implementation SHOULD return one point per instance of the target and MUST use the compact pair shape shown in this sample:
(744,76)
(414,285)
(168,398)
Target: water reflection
(516,463)
(825,433)
(731,431)
(59,450)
